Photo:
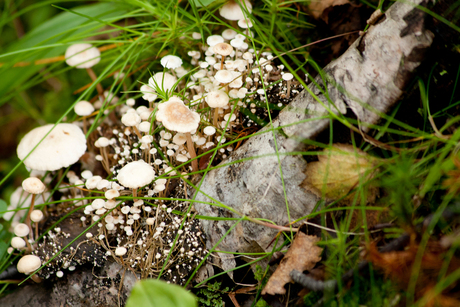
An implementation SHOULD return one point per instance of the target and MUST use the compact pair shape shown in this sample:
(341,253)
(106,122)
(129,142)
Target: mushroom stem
(93,77)
(36,230)
(191,150)
(288,88)
(137,132)
(222,63)
(134,194)
(31,208)
(216,116)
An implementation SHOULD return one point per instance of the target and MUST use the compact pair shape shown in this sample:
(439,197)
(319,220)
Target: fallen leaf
(398,265)
(302,255)
(338,171)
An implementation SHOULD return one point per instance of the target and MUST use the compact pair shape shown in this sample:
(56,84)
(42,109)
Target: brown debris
(302,255)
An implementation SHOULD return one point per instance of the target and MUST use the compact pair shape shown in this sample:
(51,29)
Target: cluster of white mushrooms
(149,153)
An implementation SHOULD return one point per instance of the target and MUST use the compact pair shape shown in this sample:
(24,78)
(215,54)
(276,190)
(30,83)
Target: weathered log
(368,79)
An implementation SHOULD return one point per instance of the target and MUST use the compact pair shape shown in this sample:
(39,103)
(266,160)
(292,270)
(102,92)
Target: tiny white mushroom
(176,116)
(135,175)
(28,264)
(288,77)
(18,242)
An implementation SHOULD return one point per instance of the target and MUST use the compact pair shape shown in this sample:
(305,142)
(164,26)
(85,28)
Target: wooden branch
(368,79)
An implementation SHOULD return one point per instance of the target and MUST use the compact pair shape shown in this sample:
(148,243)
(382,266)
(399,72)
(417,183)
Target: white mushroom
(217,99)
(63,146)
(232,10)
(28,264)
(84,56)
(83,108)
(213,40)
(18,242)
(288,77)
(171,61)
(162,81)
(223,49)
(176,116)
(135,175)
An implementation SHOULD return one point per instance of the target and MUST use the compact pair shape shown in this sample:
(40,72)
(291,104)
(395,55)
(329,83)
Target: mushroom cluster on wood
(176,116)
(63,146)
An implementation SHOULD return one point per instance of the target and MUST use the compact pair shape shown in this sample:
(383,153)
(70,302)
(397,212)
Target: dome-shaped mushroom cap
(21,230)
(131,119)
(163,81)
(136,174)
(217,99)
(232,10)
(83,108)
(176,116)
(82,55)
(171,61)
(222,49)
(33,185)
(224,76)
(62,147)
(28,264)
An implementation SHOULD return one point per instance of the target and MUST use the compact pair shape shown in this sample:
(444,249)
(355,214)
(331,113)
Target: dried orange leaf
(302,255)
(338,171)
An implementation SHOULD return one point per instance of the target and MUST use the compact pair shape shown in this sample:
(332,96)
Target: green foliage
(212,295)
(157,293)
(200,3)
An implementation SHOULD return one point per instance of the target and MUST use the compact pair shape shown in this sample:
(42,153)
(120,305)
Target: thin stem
(93,77)
(191,150)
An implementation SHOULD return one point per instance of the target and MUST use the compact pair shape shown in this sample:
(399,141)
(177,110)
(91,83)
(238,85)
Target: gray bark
(368,78)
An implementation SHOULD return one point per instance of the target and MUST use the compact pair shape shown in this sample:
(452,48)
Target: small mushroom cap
(33,185)
(176,116)
(287,76)
(21,230)
(229,34)
(232,10)
(18,242)
(120,251)
(111,194)
(217,99)
(28,264)
(245,23)
(171,61)
(131,119)
(63,146)
(163,81)
(224,76)
(223,49)
(136,174)
(214,40)
(82,55)
(36,216)
(83,108)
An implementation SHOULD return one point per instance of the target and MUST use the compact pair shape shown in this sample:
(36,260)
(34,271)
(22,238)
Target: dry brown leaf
(338,171)
(302,255)
(317,8)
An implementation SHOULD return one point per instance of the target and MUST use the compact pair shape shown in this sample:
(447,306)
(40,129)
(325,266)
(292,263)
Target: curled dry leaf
(338,171)
(302,255)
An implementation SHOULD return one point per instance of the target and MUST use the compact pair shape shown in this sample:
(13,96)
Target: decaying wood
(368,79)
